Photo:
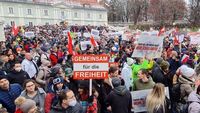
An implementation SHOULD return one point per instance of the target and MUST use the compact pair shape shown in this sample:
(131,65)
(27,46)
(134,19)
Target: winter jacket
(126,74)
(30,67)
(186,87)
(43,75)
(167,107)
(139,85)
(75,109)
(120,100)
(39,98)
(54,59)
(17,77)
(7,97)
(194,100)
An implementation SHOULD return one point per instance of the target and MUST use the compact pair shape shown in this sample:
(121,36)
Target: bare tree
(194,16)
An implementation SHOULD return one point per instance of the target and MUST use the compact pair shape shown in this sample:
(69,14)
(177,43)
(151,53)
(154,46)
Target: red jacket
(93,107)
(54,59)
(48,102)
(18,110)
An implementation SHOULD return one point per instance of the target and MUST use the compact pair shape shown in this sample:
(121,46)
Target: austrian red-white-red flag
(93,42)
(70,45)
(15,30)
(161,31)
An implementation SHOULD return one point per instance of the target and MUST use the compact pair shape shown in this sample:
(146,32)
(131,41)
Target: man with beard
(17,75)
(8,93)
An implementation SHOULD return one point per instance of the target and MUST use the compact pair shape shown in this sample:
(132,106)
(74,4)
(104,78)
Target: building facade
(40,13)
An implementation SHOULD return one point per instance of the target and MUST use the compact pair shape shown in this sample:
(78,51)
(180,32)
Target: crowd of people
(36,74)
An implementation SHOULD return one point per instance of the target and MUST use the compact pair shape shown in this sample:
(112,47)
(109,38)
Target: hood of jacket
(193,97)
(185,80)
(120,90)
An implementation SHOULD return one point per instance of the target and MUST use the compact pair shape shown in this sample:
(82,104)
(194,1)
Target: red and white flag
(70,45)
(15,30)
(184,58)
(93,42)
(161,31)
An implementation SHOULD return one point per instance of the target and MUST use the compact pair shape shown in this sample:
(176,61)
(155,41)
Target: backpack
(184,107)
(176,92)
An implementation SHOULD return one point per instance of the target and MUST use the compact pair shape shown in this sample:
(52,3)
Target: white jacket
(29,67)
(127,75)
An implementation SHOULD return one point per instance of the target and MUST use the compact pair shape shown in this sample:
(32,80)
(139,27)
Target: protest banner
(84,45)
(149,46)
(29,34)
(139,99)
(90,66)
(195,39)
(95,33)
(2,35)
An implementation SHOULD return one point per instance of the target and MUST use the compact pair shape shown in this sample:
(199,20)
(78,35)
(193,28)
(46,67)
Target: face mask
(18,69)
(72,103)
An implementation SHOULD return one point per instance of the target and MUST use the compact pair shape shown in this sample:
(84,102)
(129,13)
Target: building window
(30,23)
(10,10)
(100,16)
(75,15)
(12,23)
(88,15)
(46,12)
(62,13)
(29,11)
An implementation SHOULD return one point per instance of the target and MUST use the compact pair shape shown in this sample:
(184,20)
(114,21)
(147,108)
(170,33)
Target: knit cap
(24,104)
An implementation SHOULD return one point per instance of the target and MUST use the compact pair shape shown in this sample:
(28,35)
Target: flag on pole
(70,46)
(93,42)
(161,31)
(15,30)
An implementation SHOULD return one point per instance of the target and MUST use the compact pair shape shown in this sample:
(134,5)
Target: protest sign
(90,66)
(139,99)
(29,34)
(95,33)
(84,45)
(86,35)
(2,35)
(149,46)
(195,39)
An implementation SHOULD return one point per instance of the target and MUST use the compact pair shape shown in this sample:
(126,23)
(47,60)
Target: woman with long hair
(156,101)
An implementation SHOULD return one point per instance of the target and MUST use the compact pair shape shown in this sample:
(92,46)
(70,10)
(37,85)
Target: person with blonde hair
(156,101)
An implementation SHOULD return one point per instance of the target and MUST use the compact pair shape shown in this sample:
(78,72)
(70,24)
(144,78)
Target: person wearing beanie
(126,73)
(25,105)
(187,81)
(52,97)
(119,99)
(8,92)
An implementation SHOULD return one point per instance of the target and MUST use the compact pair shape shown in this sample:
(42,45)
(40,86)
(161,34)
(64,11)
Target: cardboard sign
(29,34)
(95,33)
(149,46)
(84,45)
(139,99)
(90,66)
